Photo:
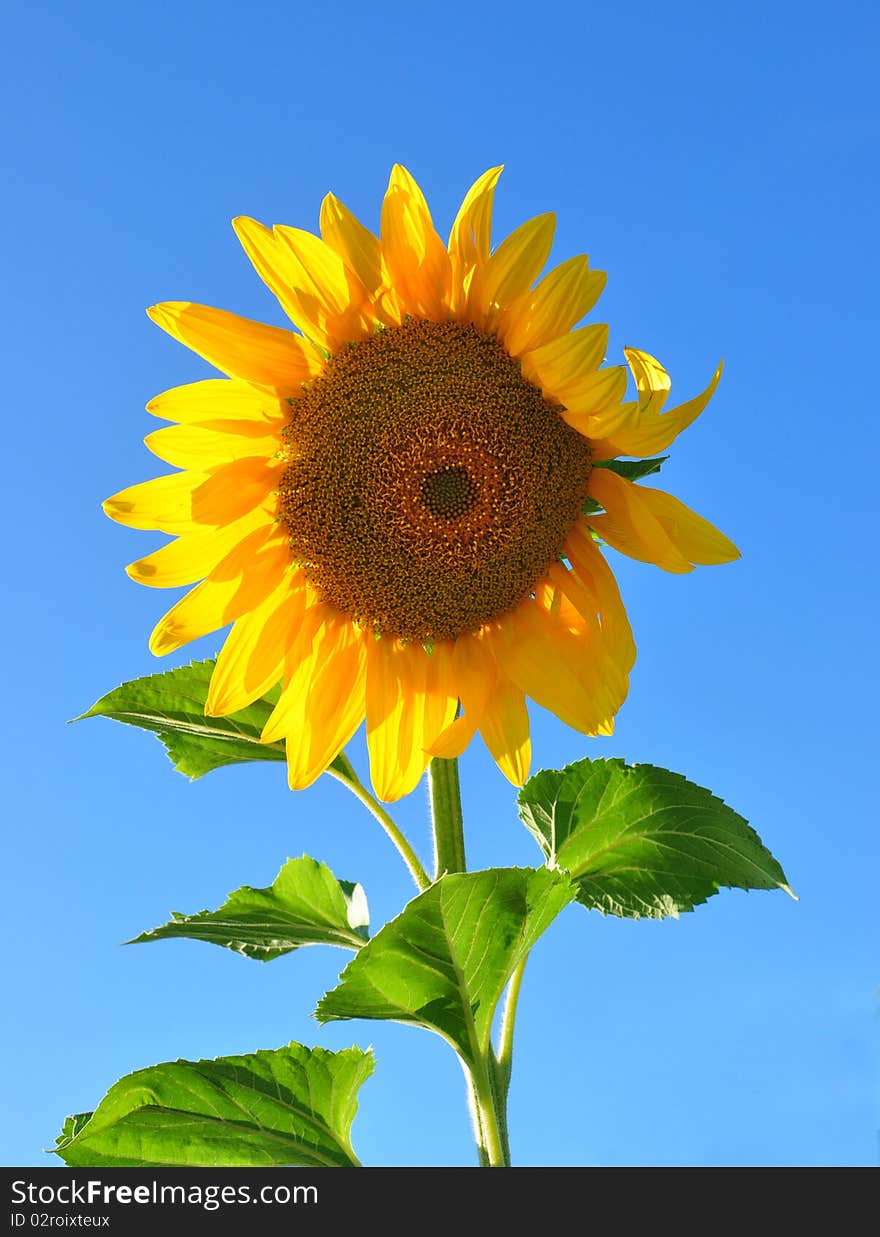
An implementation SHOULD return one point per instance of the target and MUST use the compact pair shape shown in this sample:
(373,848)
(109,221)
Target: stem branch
(347,776)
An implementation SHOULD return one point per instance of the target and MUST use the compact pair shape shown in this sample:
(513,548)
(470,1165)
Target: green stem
(476,1118)
(508,1021)
(491,1120)
(347,776)
(445,795)
(503,1059)
(487,1077)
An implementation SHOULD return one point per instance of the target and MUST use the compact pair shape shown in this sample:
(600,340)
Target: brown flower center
(429,486)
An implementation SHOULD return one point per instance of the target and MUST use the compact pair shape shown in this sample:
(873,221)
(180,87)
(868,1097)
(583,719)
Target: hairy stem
(446,818)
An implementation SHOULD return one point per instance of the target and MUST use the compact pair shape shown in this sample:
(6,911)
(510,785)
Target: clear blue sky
(720,164)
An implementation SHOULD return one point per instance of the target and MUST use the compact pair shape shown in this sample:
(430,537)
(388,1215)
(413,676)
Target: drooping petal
(221,403)
(327,695)
(699,541)
(610,663)
(395,707)
(505,730)
(652,381)
(654,432)
(322,703)
(564,296)
(655,527)
(439,697)
(552,599)
(299,662)
(265,355)
(416,258)
(253,655)
(553,666)
(240,582)
(475,673)
(589,563)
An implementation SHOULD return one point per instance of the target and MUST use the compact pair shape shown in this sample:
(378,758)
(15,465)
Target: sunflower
(398,505)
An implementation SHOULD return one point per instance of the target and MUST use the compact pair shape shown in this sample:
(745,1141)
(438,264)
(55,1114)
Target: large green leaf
(304,905)
(444,961)
(640,841)
(293,1106)
(172,705)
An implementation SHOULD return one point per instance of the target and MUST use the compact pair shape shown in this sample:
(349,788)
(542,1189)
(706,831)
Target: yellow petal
(191,556)
(561,299)
(566,361)
(359,249)
(396,715)
(339,712)
(322,702)
(252,659)
(505,730)
(299,662)
(589,563)
(239,582)
(239,347)
(554,667)
(439,696)
(470,238)
(234,489)
(511,270)
(699,541)
(165,503)
(630,524)
(609,661)
(414,254)
(652,381)
(611,419)
(553,600)
(274,263)
(589,403)
(203,448)
(332,302)
(474,673)
(222,403)
(655,432)
(327,695)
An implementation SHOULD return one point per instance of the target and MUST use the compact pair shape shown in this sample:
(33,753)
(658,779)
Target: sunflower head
(388,502)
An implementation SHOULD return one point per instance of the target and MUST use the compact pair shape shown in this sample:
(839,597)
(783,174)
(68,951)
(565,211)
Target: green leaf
(443,963)
(172,705)
(641,842)
(304,905)
(293,1106)
(633,470)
